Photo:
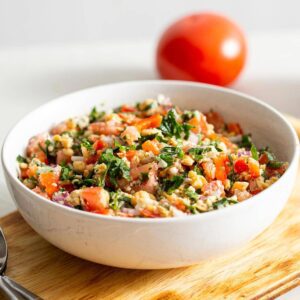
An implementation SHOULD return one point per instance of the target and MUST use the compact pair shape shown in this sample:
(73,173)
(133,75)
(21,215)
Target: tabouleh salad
(149,160)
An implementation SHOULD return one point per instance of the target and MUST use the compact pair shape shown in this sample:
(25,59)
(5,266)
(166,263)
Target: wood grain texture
(266,268)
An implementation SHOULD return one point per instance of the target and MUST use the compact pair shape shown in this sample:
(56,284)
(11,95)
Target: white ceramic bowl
(154,243)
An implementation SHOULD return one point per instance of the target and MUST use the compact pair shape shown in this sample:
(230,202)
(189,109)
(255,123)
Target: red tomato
(220,163)
(151,122)
(202,47)
(95,199)
(99,145)
(127,108)
(50,182)
(241,166)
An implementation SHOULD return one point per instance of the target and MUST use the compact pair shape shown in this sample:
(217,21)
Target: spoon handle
(14,291)
(8,292)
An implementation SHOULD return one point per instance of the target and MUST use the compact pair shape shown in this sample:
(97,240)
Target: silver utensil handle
(14,291)
(7,292)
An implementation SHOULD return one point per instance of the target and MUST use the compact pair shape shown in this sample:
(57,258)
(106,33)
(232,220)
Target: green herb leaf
(270,155)
(246,141)
(116,167)
(120,147)
(86,144)
(275,164)
(254,152)
(66,173)
(119,199)
(78,183)
(168,154)
(193,209)
(170,185)
(198,170)
(191,194)
(223,202)
(170,127)
(21,159)
(186,129)
(197,153)
(144,176)
(187,115)
(95,115)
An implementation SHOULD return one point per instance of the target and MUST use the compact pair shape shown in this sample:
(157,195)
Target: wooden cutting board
(266,268)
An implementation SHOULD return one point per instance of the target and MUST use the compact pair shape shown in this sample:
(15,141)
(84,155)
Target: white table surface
(32,76)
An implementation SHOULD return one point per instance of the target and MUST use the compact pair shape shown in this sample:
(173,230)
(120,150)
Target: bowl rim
(203,216)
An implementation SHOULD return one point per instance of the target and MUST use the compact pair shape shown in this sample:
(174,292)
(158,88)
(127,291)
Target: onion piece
(235,138)
(77,158)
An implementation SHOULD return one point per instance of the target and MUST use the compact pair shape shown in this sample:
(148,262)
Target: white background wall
(26,22)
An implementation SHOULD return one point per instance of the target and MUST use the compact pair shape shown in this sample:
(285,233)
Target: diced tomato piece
(215,119)
(240,166)
(275,172)
(41,156)
(127,108)
(24,173)
(149,214)
(38,190)
(150,122)
(49,181)
(99,145)
(108,128)
(35,148)
(255,192)
(254,168)
(263,159)
(151,146)
(62,158)
(180,205)
(59,129)
(199,124)
(220,163)
(95,199)
(130,154)
(234,128)
(228,143)
(92,159)
(69,187)
(209,170)
(32,171)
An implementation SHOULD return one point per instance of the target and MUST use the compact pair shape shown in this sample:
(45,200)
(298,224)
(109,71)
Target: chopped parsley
(246,141)
(191,194)
(87,182)
(197,153)
(21,159)
(66,173)
(275,164)
(119,199)
(270,155)
(223,202)
(198,170)
(168,154)
(86,144)
(170,185)
(254,152)
(272,163)
(116,167)
(170,127)
(120,147)
(95,115)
